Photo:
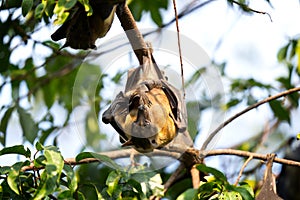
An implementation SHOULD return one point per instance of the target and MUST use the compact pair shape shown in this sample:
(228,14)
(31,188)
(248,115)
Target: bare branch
(248,154)
(133,34)
(125,153)
(247,8)
(221,126)
(242,169)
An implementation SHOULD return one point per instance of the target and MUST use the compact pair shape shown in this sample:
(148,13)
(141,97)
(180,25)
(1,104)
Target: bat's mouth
(143,145)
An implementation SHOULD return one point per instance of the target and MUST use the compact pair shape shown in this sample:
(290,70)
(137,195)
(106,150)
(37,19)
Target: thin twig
(125,153)
(221,126)
(242,169)
(174,177)
(179,48)
(247,8)
(248,154)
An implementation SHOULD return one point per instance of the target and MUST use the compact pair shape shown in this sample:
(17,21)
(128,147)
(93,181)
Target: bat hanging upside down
(81,31)
(150,113)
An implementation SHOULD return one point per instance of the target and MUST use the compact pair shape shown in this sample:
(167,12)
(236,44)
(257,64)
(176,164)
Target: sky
(249,46)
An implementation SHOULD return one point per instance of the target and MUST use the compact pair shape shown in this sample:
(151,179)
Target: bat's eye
(153,141)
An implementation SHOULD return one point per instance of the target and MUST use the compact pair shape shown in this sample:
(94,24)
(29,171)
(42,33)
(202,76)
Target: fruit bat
(150,112)
(80,30)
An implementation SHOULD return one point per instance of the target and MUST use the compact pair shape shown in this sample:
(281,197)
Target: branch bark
(133,34)
(221,126)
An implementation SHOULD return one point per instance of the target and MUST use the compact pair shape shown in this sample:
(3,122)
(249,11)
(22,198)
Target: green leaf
(279,111)
(13,179)
(67,194)
(103,158)
(136,185)
(46,133)
(49,179)
(87,7)
(26,6)
(39,10)
(195,76)
(282,53)
(218,175)
(138,7)
(71,177)
(244,193)
(188,195)
(68,4)
(232,102)
(39,146)
(29,127)
(156,17)
(17,149)
(51,44)
(230,195)
(112,182)
(4,123)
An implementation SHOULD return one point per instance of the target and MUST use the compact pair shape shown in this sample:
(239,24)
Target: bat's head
(143,145)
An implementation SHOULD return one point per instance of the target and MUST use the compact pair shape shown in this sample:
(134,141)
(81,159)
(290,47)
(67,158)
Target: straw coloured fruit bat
(150,113)
(81,31)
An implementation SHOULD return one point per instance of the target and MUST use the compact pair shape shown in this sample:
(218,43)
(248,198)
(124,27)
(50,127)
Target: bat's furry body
(150,113)
(81,31)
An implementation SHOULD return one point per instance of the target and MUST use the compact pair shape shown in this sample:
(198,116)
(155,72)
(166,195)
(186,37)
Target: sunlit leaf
(297,51)
(13,179)
(112,182)
(49,179)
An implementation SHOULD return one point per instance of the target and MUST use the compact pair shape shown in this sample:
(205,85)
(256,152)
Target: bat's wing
(116,115)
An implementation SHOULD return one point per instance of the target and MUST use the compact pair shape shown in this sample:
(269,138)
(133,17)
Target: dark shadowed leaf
(4,123)
(26,6)
(29,127)
(103,158)
(189,194)
(282,53)
(218,175)
(279,111)
(17,149)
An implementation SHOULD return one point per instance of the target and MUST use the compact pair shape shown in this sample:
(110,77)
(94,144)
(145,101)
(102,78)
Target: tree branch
(221,126)
(133,34)
(124,153)
(248,9)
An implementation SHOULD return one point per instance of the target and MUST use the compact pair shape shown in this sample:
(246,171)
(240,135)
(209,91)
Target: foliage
(46,77)
(217,187)
(50,176)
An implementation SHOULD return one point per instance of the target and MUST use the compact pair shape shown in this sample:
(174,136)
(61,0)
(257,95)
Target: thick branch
(221,126)
(194,152)
(133,34)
